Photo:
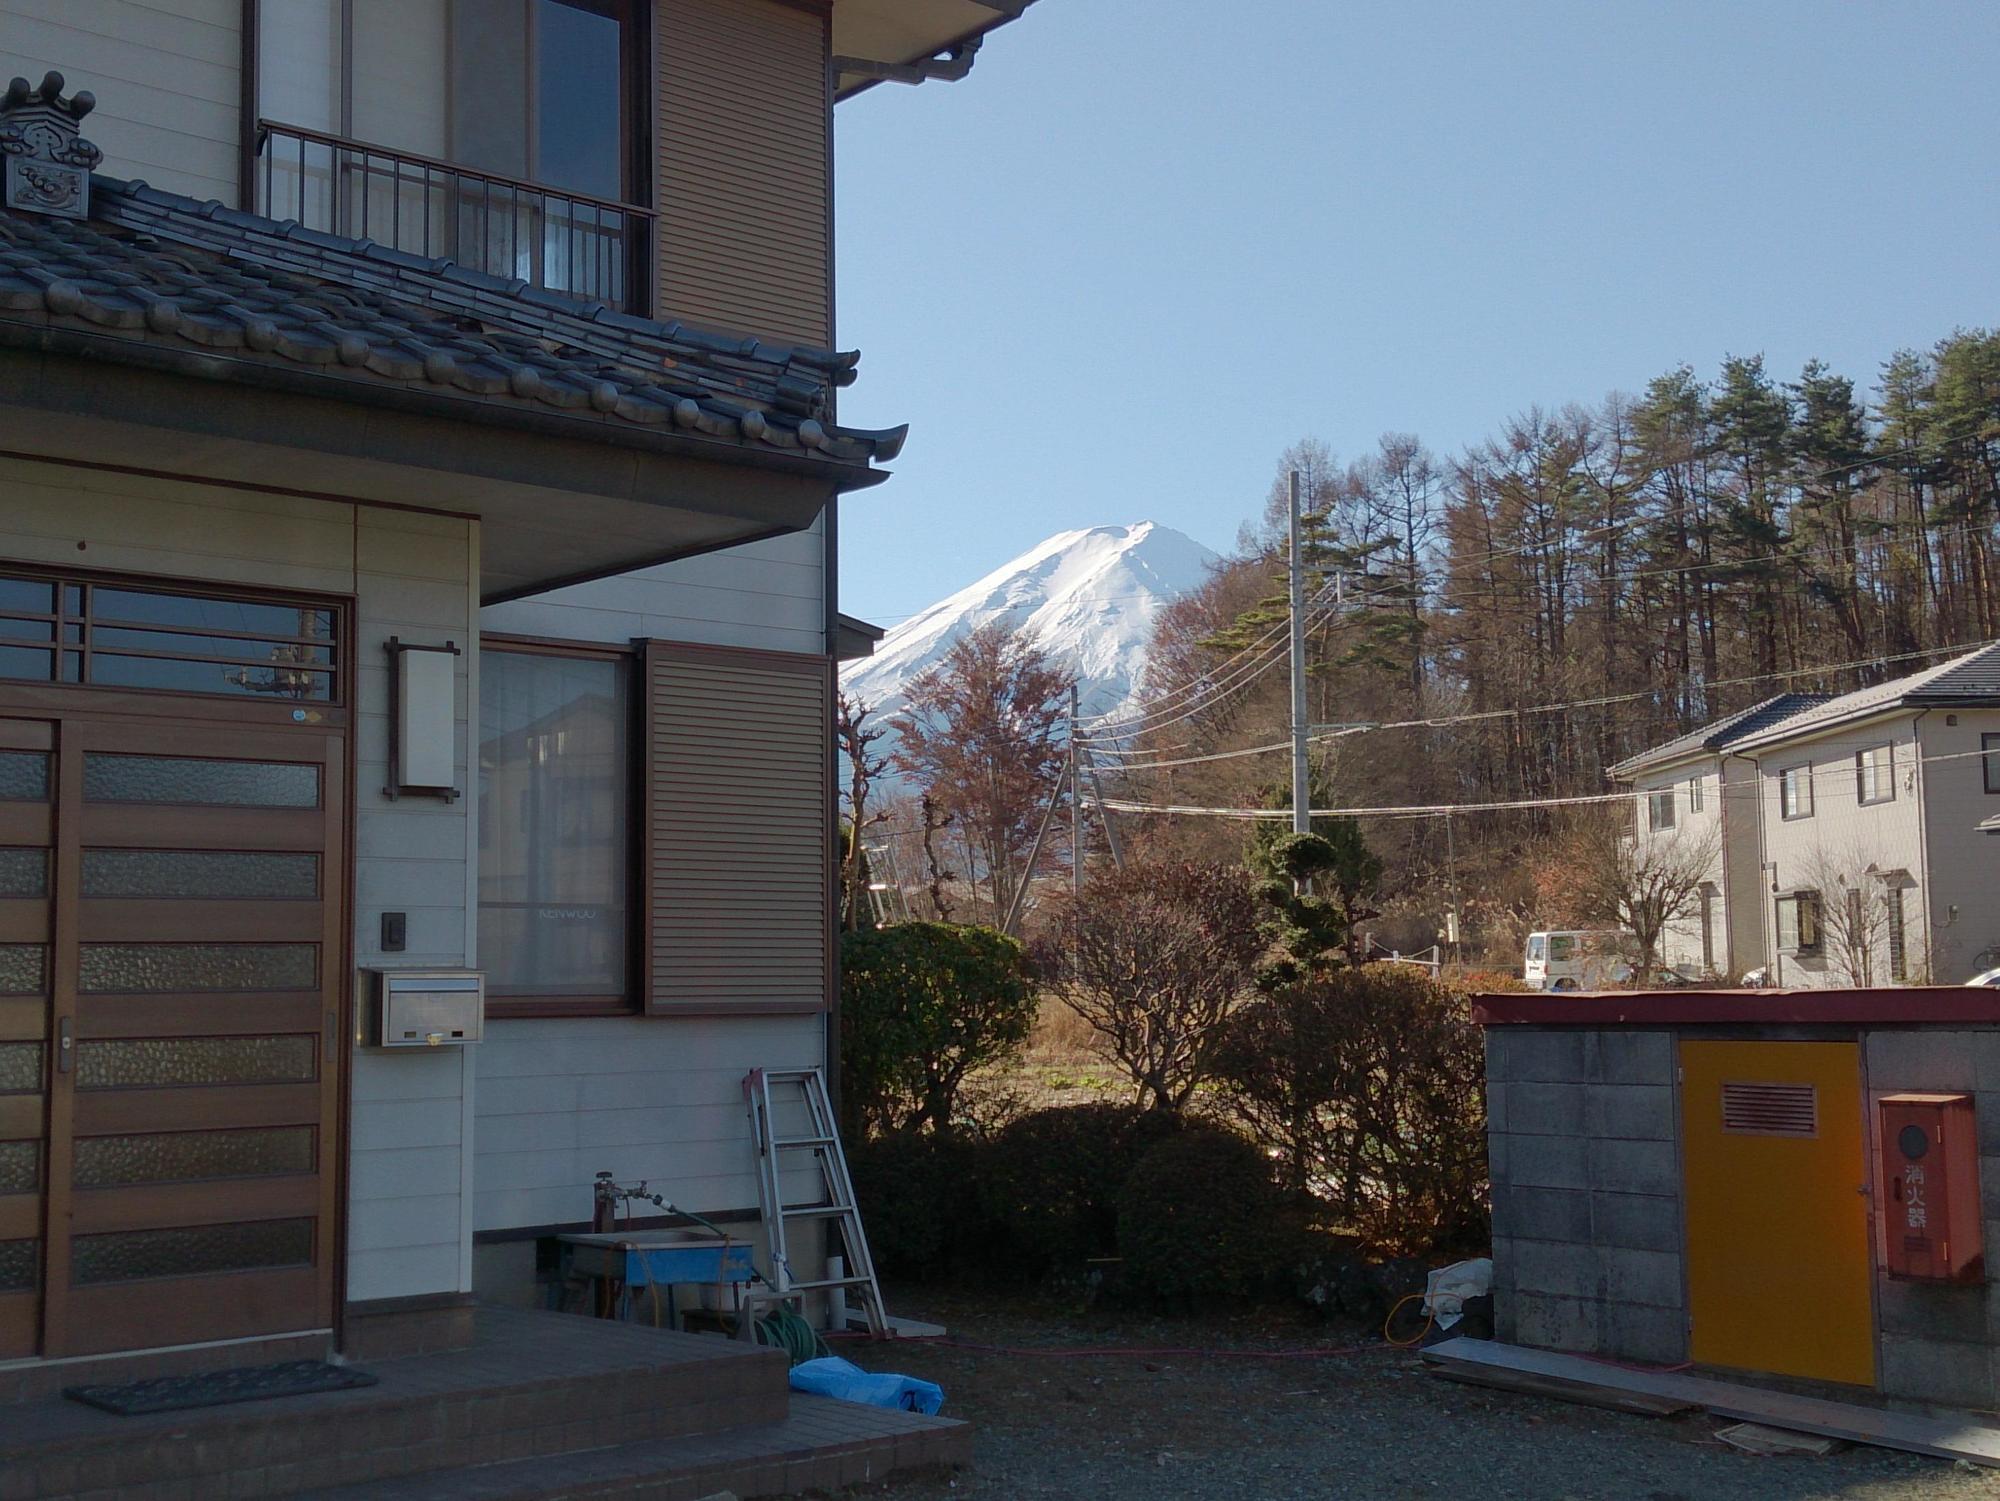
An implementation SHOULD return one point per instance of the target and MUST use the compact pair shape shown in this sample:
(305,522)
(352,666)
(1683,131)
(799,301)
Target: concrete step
(820,1445)
(531,1385)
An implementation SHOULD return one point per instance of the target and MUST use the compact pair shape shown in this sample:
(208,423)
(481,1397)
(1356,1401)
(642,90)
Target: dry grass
(1062,1064)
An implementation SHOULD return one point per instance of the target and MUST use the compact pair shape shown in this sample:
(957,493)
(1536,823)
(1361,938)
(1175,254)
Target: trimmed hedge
(1049,1183)
(1199,1217)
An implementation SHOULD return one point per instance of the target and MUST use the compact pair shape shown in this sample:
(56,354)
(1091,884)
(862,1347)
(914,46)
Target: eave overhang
(557,503)
(911,41)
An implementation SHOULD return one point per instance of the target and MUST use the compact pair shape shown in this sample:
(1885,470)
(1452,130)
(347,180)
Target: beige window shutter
(738,828)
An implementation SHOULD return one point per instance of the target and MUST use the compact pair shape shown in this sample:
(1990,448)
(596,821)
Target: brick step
(531,1385)
(821,1445)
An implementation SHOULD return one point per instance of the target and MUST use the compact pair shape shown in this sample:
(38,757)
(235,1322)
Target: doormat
(291,1378)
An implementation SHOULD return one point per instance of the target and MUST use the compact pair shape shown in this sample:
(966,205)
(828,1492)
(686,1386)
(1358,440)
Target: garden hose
(785,1330)
(1417,1338)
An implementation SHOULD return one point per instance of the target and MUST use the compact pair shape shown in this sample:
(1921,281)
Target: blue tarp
(830,1376)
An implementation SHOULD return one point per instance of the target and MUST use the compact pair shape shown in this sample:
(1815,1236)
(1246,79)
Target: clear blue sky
(1150,243)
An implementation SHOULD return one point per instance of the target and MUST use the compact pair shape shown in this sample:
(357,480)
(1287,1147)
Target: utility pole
(1075,802)
(1296,569)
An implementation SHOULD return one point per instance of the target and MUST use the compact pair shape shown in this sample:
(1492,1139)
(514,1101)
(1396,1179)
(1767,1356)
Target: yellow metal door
(1777,1214)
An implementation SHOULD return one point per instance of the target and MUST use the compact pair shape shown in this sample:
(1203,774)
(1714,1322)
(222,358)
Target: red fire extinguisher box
(1929,1148)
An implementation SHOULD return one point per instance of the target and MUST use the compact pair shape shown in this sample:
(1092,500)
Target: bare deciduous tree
(856,740)
(1854,920)
(1599,875)
(1153,958)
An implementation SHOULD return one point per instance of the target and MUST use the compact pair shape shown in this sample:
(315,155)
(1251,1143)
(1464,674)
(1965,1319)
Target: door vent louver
(1771,1109)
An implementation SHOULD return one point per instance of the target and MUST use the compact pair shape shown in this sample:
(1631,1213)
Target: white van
(1579,959)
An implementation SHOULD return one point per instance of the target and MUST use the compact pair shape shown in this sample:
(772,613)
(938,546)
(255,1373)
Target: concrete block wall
(1942,1344)
(1586,1191)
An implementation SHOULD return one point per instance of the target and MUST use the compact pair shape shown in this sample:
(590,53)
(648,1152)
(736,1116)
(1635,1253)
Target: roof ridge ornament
(46,158)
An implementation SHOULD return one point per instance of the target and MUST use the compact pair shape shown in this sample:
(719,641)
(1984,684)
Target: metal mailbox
(1929,1148)
(426,1008)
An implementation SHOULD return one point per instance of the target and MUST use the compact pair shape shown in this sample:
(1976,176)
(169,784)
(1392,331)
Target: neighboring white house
(1851,847)
(1682,802)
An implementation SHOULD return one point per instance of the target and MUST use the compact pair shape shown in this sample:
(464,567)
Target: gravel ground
(1372,1424)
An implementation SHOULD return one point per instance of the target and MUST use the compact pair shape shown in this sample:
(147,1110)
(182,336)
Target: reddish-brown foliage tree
(1154,958)
(980,737)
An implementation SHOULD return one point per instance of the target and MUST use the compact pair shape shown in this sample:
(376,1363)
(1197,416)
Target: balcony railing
(595,249)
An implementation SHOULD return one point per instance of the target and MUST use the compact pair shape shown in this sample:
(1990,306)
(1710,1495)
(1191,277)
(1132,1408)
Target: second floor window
(1795,793)
(539,91)
(1875,773)
(1660,810)
(1990,745)
(1694,794)
(501,134)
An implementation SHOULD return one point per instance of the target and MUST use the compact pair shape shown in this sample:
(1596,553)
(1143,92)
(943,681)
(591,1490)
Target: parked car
(1988,978)
(1579,959)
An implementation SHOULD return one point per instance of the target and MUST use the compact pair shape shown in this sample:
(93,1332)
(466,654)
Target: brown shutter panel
(739,830)
(744,192)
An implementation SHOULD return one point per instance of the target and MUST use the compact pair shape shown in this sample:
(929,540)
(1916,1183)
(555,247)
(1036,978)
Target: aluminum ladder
(837,1203)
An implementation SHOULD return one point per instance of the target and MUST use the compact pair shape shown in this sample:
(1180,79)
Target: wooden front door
(172,921)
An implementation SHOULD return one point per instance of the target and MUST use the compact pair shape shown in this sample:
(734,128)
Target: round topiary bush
(1049,1183)
(1200,1218)
(919,1200)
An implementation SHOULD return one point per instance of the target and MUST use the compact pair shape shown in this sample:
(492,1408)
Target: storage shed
(1792,1184)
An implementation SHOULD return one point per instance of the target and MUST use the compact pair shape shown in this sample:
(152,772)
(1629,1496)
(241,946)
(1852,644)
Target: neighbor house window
(555,850)
(1795,791)
(1990,745)
(1899,966)
(1660,809)
(1875,773)
(1798,922)
(1694,794)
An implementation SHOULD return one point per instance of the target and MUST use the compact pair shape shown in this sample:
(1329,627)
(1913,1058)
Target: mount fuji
(1089,599)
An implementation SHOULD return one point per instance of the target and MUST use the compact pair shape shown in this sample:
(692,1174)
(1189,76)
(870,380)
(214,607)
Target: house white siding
(655,1098)
(169,73)
(1842,845)
(1965,865)
(410,1225)
(1696,789)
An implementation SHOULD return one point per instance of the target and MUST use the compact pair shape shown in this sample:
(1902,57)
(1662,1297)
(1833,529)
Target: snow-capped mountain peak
(1088,597)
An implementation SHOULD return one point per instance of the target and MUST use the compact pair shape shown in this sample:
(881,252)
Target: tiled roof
(1969,681)
(1729,730)
(154,272)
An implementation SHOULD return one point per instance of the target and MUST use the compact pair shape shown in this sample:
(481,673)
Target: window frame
(1790,779)
(84,619)
(1800,900)
(1656,800)
(1886,787)
(1989,761)
(632,1001)
(1695,796)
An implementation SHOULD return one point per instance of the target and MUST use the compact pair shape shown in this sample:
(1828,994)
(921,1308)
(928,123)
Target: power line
(1446,810)
(1487,715)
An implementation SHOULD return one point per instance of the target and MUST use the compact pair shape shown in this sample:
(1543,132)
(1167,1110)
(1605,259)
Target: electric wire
(1443,721)
(1813,774)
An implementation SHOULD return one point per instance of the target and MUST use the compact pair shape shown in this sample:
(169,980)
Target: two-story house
(419,479)
(1851,851)
(1689,805)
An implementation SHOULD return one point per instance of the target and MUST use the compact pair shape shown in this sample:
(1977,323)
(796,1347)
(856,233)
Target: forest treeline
(1650,561)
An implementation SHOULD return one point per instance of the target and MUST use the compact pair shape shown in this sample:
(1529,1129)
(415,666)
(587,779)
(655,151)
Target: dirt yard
(1366,1424)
